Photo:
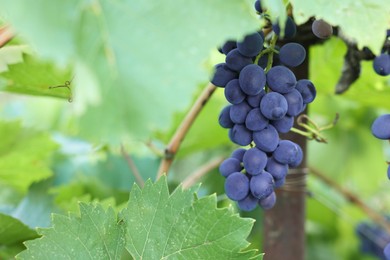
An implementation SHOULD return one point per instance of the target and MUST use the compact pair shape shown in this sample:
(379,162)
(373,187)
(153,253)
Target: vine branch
(181,131)
(352,198)
(133,167)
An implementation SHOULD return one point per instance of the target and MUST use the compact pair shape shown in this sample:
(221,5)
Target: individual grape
(240,135)
(382,64)
(252,79)
(294,102)
(254,101)
(290,29)
(281,79)
(279,182)
(236,61)
(268,202)
(283,125)
(238,154)
(228,46)
(224,118)
(273,106)
(258,6)
(298,160)
(255,120)
(233,92)
(254,161)
(381,127)
(229,166)
(286,152)
(307,90)
(223,75)
(321,29)
(249,203)
(239,112)
(267,139)
(276,169)
(292,54)
(237,186)
(386,251)
(251,45)
(261,185)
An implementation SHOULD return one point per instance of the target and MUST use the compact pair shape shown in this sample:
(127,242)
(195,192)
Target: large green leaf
(365,21)
(94,235)
(21,163)
(177,226)
(135,61)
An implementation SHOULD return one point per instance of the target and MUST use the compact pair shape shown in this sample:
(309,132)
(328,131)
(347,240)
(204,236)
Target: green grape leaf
(364,21)
(178,226)
(96,234)
(13,231)
(138,60)
(11,55)
(21,163)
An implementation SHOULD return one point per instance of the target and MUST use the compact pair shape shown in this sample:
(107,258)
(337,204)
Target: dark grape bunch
(264,97)
(374,240)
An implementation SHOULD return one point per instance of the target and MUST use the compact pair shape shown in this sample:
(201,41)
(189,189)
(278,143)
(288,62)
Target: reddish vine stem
(133,167)
(5,35)
(181,131)
(352,198)
(201,171)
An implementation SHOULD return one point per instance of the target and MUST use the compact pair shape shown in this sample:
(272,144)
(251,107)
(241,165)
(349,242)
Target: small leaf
(94,235)
(177,226)
(13,231)
(11,55)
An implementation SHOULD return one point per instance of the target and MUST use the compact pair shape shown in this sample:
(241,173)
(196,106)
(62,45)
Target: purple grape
(268,202)
(386,251)
(381,127)
(248,204)
(239,112)
(258,6)
(292,54)
(273,106)
(254,161)
(299,158)
(251,45)
(267,139)
(238,154)
(254,101)
(236,61)
(294,102)
(228,46)
(252,79)
(307,90)
(388,172)
(233,92)
(255,120)
(224,118)
(287,152)
(261,185)
(223,75)
(382,64)
(281,79)
(283,125)
(237,186)
(321,29)
(279,182)
(229,166)
(276,169)
(290,28)
(240,135)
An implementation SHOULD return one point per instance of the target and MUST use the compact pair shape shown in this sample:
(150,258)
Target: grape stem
(201,171)
(352,198)
(6,35)
(130,162)
(181,131)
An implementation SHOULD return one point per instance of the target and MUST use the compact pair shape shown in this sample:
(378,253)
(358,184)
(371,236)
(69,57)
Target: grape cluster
(380,128)
(264,97)
(374,240)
